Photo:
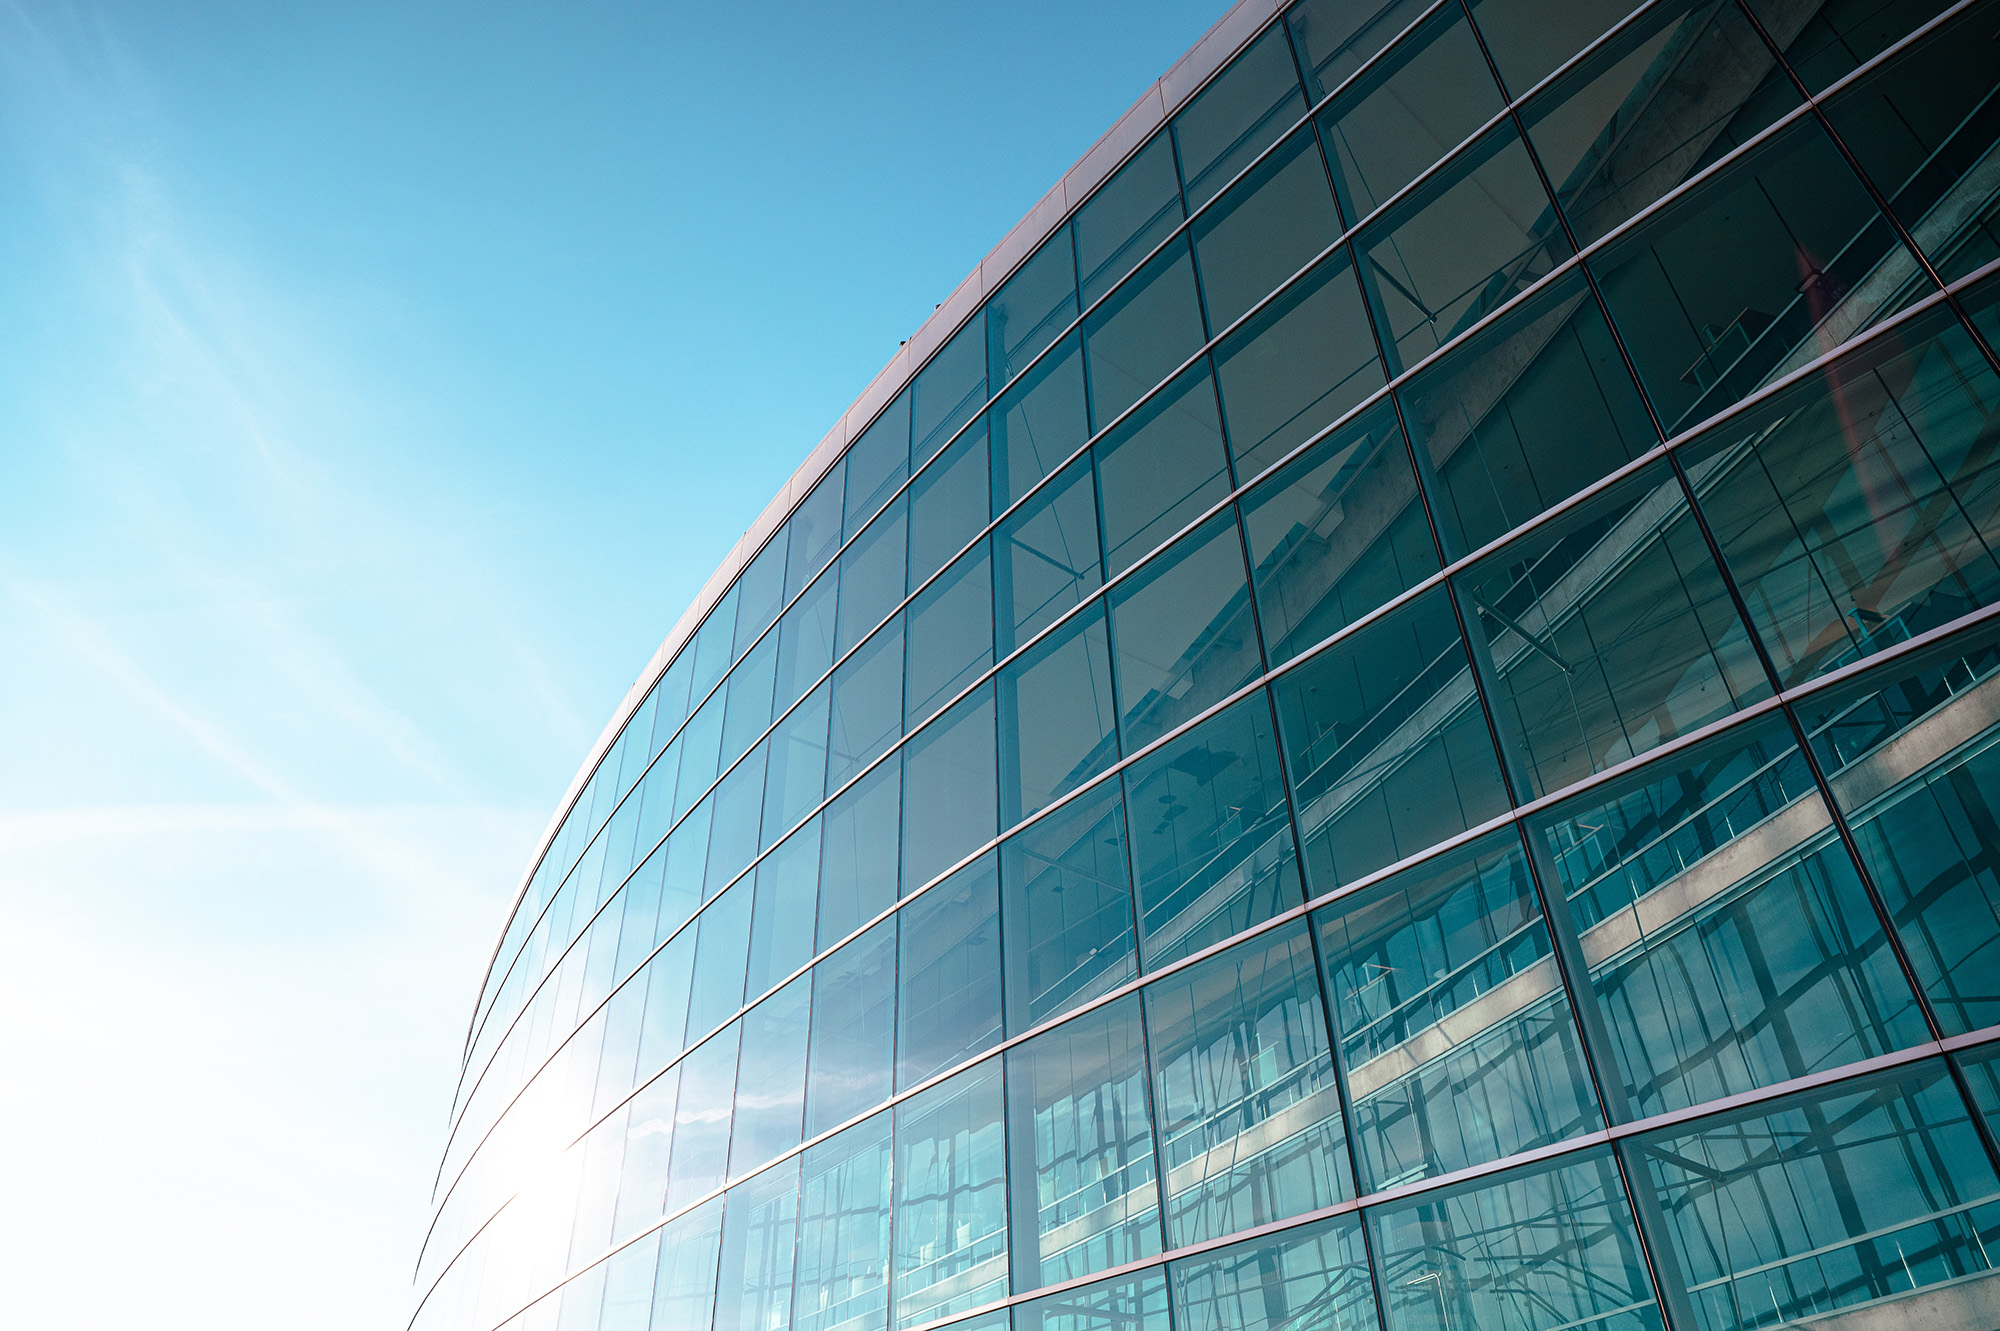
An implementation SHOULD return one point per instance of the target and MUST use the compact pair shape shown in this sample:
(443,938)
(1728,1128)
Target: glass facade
(1398,731)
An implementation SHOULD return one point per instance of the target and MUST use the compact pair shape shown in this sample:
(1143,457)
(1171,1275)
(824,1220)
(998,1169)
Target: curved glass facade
(1397,729)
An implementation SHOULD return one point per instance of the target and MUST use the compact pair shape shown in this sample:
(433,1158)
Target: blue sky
(378,381)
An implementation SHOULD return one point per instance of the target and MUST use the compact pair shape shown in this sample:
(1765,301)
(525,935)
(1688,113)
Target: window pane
(1524,414)
(1752,274)
(1411,108)
(950,636)
(1039,422)
(733,841)
(867,705)
(1683,84)
(951,1198)
(1031,308)
(815,527)
(1297,366)
(782,919)
(1160,469)
(1121,223)
(1724,930)
(1609,631)
(663,1028)
(948,391)
(1211,836)
(858,870)
(1386,747)
(1859,508)
(948,505)
(1456,1037)
(1068,913)
(795,780)
(1181,633)
(949,1005)
(1530,38)
(1134,1303)
(1086,1189)
(1544,1247)
(1911,753)
(760,1231)
(720,959)
(1314,1276)
(1458,246)
(684,1295)
(1335,534)
(649,1139)
(1046,556)
(1058,726)
(701,746)
(1334,37)
(871,575)
(1839,38)
(771,1084)
(1859,1192)
(877,463)
(1241,110)
(1142,333)
(1266,227)
(1243,1080)
(712,652)
(760,593)
(853,1029)
(843,1265)
(949,797)
(701,1119)
(805,642)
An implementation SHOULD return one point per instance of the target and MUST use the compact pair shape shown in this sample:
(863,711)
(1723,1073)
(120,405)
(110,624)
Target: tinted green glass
(1608,632)
(1334,38)
(1137,1302)
(877,463)
(1067,912)
(1387,750)
(948,1007)
(795,775)
(951,1198)
(872,579)
(1121,223)
(1825,42)
(1085,1184)
(948,391)
(1045,556)
(720,959)
(805,642)
(1142,333)
(948,505)
(858,870)
(702,1119)
(1263,229)
(760,1233)
(783,914)
(684,1294)
(1181,633)
(867,706)
(1160,469)
(1296,366)
(1456,1036)
(1039,422)
(1243,1080)
(1058,723)
(950,633)
(1031,308)
(853,1029)
(949,797)
(1315,1275)
(815,530)
(843,1262)
(1246,106)
(1211,835)
(1336,533)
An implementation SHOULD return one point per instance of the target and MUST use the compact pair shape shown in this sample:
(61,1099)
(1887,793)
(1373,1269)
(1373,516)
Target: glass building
(1389,721)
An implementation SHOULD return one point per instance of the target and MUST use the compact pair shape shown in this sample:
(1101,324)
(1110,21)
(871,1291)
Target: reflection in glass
(948,1007)
(1034,305)
(1142,333)
(760,1232)
(1045,557)
(1131,213)
(951,1198)
(1068,908)
(1241,110)
(1263,229)
(853,1029)
(1058,725)
(1134,1303)
(1182,638)
(1313,1276)
(1160,469)
(771,1081)
(1038,422)
(843,1262)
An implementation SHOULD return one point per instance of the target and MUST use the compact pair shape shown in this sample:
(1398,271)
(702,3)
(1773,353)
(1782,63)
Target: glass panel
(815,527)
(1086,1189)
(1134,1303)
(1862,1192)
(1456,247)
(1723,927)
(950,636)
(771,1083)
(1386,746)
(1211,835)
(684,1295)
(1981,1069)
(1046,556)
(1334,38)
(948,505)
(628,1286)
(1031,308)
(1142,333)
(805,642)
(871,575)
(1674,89)
(1296,366)
(1160,469)
(951,1198)
(1911,754)
(1523,414)
(1181,633)
(795,779)
(1752,274)
(948,391)
(1241,110)
(867,705)
(1530,38)
(1243,1078)
(858,869)
(760,596)
(1456,1037)
(1068,914)
(1038,422)
(663,1028)
(781,922)
(701,1119)
(732,842)
(1120,224)
(1264,228)
(1407,111)
(760,1226)
(948,1008)
(853,1029)
(949,793)
(1335,534)
(1315,1276)
(877,463)
(701,746)
(649,1139)
(720,960)
(1544,1247)
(1859,507)
(1058,725)
(843,1265)
(1609,632)
(711,657)
(1840,37)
